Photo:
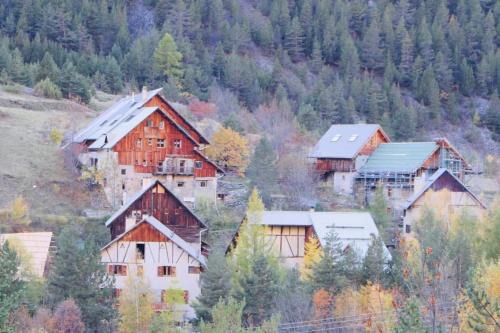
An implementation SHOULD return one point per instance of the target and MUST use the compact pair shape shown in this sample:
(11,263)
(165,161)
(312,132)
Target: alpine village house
(142,138)
(157,237)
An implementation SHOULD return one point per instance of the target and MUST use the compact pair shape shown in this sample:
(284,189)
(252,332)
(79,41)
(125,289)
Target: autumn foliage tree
(312,255)
(67,318)
(230,150)
(136,306)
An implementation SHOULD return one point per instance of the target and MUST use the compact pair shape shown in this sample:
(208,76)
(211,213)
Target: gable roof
(345,141)
(140,193)
(432,179)
(354,229)
(167,232)
(122,117)
(36,244)
(399,157)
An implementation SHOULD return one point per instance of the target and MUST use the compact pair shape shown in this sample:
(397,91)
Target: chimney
(311,209)
(144,92)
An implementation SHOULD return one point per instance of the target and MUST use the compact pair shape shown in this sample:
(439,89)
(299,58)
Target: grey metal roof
(399,157)
(167,232)
(139,194)
(113,116)
(435,176)
(354,229)
(344,141)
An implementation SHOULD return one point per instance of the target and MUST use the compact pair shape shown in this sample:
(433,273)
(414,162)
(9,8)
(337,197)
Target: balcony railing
(174,170)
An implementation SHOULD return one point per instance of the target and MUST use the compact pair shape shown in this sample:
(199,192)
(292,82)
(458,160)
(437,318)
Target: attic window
(353,137)
(149,123)
(336,138)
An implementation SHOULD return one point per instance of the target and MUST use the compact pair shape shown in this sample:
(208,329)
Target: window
(140,251)
(161,125)
(408,229)
(138,143)
(166,271)
(186,296)
(130,117)
(193,270)
(160,143)
(203,183)
(336,137)
(124,171)
(117,270)
(144,163)
(198,164)
(149,123)
(140,270)
(93,162)
(136,162)
(353,137)
(150,142)
(389,192)
(123,186)
(180,184)
(177,143)
(117,292)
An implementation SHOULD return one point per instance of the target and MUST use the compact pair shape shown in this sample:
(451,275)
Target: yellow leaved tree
(136,306)
(230,150)
(312,255)
(379,303)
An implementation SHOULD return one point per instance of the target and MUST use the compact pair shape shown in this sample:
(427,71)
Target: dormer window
(336,137)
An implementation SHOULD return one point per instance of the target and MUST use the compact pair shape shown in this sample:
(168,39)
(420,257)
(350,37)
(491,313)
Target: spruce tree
(410,318)
(77,273)
(167,58)
(12,288)
(262,170)
(374,262)
(373,57)
(215,284)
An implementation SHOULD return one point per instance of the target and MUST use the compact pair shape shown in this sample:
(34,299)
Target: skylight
(336,138)
(353,137)
(114,121)
(104,122)
(130,117)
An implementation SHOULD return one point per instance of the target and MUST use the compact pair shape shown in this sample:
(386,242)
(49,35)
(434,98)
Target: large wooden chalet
(343,149)
(142,138)
(157,237)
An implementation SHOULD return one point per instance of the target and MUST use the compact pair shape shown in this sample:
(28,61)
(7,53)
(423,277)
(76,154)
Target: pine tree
(373,57)
(167,59)
(47,69)
(77,273)
(406,63)
(466,80)
(308,117)
(295,40)
(11,287)
(262,170)
(349,59)
(373,266)
(316,57)
(215,284)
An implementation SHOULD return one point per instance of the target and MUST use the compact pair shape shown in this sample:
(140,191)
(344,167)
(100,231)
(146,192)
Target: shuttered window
(166,271)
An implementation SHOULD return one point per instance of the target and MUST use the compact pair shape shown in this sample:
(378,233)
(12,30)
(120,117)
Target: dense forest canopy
(334,61)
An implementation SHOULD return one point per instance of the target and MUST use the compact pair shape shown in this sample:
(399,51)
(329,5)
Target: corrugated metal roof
(354,229)
(167,232)
(36,244)
(139,194)
(344,141)
(435,176)
(399,157)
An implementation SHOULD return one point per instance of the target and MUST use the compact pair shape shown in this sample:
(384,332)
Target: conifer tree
(410,318)
(312,255)
(262,170)
(295,40)
(167,59)
(77,273)
(374,262)
(373,57)
(215,284)
(11,287)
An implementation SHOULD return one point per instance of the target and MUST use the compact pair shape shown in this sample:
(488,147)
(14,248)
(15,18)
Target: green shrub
(48,89)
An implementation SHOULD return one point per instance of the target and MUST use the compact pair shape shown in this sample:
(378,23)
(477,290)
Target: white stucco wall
(156,254)
(343,182)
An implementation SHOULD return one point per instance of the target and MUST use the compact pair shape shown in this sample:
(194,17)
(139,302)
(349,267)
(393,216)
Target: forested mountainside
(409,65)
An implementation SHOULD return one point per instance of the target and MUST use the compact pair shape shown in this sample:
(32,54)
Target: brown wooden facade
(155,139)
(373,143)
(157,201)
